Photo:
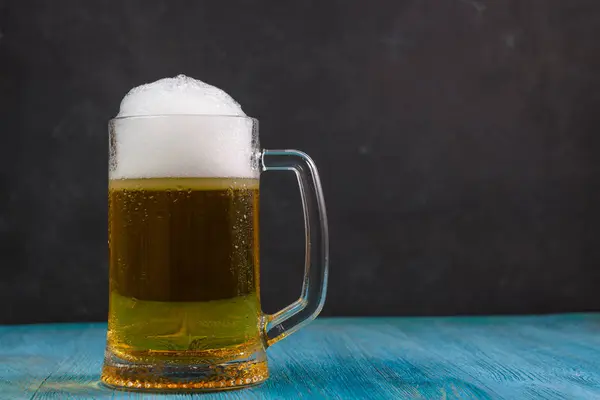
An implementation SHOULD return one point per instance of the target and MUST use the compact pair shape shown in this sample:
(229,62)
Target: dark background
(458,143)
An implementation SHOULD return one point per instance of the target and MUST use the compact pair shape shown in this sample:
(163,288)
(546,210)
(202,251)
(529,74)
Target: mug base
(121,374)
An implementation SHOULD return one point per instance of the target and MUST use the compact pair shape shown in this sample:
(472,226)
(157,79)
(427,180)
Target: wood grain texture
(548,357)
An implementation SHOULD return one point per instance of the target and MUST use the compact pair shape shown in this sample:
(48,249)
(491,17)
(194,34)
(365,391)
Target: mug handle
(316,265)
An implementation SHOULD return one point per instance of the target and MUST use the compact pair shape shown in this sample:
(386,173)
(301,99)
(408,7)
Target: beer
(183,269)
(184,304)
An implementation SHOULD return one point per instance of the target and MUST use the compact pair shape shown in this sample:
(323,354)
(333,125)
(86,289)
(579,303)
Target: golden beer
(184,262)
(184,304)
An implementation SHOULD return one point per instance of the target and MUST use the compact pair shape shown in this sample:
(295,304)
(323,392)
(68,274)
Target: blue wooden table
(548,357)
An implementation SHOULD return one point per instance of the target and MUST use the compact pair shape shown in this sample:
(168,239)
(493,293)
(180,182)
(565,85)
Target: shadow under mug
(184,306)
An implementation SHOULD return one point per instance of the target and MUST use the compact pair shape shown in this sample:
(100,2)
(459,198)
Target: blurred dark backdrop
(458,144)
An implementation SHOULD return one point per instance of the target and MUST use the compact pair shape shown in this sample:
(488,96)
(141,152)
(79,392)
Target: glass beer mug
(184,307)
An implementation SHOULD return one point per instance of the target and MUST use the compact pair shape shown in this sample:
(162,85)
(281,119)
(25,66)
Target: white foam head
(186,128)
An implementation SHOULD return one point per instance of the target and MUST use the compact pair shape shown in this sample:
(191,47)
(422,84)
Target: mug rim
(145,116)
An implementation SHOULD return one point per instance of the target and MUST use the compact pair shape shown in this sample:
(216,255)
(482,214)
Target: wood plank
(551,357)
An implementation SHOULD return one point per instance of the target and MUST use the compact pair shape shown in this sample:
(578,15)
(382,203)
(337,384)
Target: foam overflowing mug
(184,306)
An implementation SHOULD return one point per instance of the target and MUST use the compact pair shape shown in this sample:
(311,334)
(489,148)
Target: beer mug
(184,306)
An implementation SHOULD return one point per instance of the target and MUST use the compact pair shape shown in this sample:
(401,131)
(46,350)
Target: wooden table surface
(534,357)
